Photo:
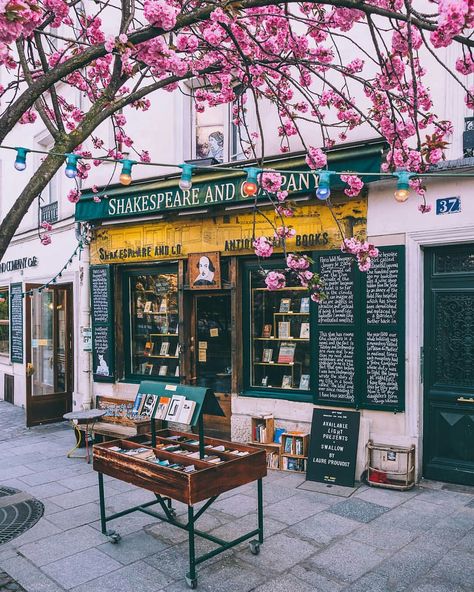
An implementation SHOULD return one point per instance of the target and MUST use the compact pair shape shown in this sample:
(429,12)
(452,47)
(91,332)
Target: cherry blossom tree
(289,55)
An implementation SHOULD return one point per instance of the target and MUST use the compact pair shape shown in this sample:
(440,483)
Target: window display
(4,321)
(154,324)
(280,336)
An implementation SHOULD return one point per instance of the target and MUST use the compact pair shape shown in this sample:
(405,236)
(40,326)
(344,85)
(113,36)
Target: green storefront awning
(151,197)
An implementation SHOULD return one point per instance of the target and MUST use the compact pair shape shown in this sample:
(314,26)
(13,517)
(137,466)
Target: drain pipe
(84,358)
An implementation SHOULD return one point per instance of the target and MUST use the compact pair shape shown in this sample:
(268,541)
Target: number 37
(450,205)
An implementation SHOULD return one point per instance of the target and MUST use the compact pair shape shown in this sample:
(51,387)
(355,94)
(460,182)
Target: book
(163,306)
(176,372)
(288,444)
(285,305)
(267,330)
(137,403)
(174,409)
(187,411)
(265,381)
(148,369)
(304,382)
(286,355)
(164,349)
(148,349)
(304,305)
(267,355)
(286,381)
(277,434)
(163,370)
(148,306)
(162,407)
(304,331)
(149,405)
(283,329)
(176,353)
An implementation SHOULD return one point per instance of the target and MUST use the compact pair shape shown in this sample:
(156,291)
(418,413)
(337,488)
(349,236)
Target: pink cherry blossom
(263,247)
(275,280)
(297,262)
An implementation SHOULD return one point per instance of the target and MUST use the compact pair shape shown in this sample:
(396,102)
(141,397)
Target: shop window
(278,329)
(151,324)
(4,322)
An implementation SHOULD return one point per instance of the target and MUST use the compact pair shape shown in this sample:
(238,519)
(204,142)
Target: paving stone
(29,576)
(322,528)
(285,583)
(279,552)
(294,509)
(358,509)
(456,567)
(347,560)
(77,498)
(237,505)
(274,493)
(412,519)
(133,547)
(410,563)
(81,481)
(241,526)
(127,524)
(15,471)
(437,587)
(81,567)
(318,582)
(450,499)
(42,529)
(229,574)
(61,545)
(383,537)
(75,516)
(385,497)
(467,543)
(136,577)
(369,583)
(46,490)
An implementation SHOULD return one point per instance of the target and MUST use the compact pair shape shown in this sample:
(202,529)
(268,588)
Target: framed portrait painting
(204,271)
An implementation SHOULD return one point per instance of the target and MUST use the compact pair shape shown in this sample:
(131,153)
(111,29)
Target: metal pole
(103,524)
(201,436)
(192,556)
(260,510)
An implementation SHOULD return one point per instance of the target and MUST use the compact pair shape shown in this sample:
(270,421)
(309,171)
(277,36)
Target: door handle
(465,399)
(30,369)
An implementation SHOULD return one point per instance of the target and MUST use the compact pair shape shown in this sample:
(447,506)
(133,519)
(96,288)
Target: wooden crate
(296,448)
(207,481)
(269,424)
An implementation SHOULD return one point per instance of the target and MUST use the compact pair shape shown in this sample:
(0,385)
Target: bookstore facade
(178,295)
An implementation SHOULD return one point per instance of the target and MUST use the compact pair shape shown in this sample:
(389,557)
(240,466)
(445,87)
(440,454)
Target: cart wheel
(254,547)
(191,582)
(172,512)
(114,537)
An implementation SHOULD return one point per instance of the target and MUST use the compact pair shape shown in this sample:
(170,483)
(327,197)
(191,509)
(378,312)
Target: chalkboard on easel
(102,310)
(333,447)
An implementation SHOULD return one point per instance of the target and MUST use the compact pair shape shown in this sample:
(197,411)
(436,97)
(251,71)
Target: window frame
(129,376)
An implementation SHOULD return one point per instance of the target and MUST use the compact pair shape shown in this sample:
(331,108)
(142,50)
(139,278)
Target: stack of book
(176,408)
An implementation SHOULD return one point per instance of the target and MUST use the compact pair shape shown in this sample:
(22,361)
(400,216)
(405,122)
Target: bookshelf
(294,451)
(263,433)
(280,339)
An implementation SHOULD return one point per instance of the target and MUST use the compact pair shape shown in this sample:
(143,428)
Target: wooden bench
(116,423)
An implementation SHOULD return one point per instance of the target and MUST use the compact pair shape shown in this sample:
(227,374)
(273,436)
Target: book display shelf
(183,466)
(294,451)
(263,434)
(154,325)
(280,339)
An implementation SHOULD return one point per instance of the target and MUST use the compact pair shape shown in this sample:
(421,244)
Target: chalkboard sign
(16,323)
(333,447)
(338,274)
(336,366)
(360,332)
(103,325)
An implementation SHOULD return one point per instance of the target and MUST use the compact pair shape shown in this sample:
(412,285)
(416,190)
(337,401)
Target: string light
(71,165)
(402,192)
(185,182)
(20,160)
(250,186)
(323,190)
(126,174)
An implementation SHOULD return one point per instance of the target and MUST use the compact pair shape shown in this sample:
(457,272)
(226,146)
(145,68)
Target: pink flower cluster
(275,280)
(424,208)
(160,13)
(363,251)
(355,185)
(74,195)
(316,159)
(285,232)
(263,247)
(271,182)
(297,262)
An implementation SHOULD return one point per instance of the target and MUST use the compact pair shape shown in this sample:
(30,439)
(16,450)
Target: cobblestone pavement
(7,584)
(376,540)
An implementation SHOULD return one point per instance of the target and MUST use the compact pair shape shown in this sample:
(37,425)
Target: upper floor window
(4,322)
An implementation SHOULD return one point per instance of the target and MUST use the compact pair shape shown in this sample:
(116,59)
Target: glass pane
(4,321)
(61,354)
(42,347)
(213,358)
(280,326)
(154,324)
(455,262)
(210,133)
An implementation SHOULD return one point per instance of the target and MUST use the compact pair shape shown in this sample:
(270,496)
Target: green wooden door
(449,364)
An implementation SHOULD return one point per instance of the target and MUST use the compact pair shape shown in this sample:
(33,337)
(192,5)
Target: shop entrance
(49,356)
(212,364)
(449,364)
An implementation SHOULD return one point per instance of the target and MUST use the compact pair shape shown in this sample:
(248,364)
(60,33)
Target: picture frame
(283,329)
(267,355)
(204,271)
(286,381)
(165,348)
(267,330)
(304,382)
(285,305)
(304,331)
(304,304)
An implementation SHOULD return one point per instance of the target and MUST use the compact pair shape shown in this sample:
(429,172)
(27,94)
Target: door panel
(49,354)
(449,364)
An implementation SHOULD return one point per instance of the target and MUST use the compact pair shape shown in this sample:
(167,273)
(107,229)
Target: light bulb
(125,179)
(20,161)
(71,166)
(249,188)
(186,180)
(185,185)
(71,173)
(402,195)
(323,190)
